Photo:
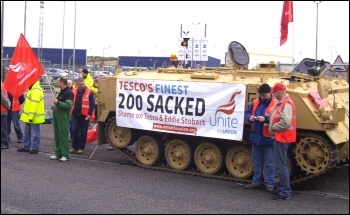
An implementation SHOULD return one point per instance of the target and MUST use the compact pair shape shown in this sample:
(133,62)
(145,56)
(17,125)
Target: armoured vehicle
(191,121)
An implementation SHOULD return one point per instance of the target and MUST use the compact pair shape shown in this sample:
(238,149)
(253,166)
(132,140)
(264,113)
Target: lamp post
(64,11)
(25,18)
(75,18)
(109,52)
(195,37)
(317,3)
(195,33)
(103,57)
(185,48)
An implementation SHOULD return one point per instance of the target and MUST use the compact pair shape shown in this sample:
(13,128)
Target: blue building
(150,62)
(54,56)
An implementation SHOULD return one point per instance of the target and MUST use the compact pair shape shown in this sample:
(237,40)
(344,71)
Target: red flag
(287,17)
(24,70)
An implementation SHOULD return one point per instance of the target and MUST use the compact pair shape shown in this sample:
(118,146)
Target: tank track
(297,178)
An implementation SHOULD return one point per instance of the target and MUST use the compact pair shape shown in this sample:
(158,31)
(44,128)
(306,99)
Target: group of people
(272,117)
(32,116)
(73,109)
(273,128)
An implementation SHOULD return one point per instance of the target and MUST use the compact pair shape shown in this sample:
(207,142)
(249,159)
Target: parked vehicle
(56,73)
(72,75)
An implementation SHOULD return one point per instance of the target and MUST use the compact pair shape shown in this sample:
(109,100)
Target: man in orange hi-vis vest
(258,115)
(82,111)
(13,116)
(282,129)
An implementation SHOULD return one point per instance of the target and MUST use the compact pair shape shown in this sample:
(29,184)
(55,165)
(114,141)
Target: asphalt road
(107,183)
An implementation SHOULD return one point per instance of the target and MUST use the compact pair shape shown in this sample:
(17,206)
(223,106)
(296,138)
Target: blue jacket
(256,135)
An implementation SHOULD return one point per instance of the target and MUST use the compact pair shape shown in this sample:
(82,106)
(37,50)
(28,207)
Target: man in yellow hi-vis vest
(33,115)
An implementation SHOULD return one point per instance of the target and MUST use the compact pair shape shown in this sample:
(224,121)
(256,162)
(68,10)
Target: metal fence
(49,95)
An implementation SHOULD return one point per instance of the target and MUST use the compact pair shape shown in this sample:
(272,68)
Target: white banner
(204,49)
(197,50)
(191,108)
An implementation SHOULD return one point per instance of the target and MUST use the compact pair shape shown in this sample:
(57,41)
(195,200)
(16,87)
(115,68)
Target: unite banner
(192,108)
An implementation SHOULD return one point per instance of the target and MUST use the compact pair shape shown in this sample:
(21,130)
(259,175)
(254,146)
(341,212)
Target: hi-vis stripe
(85,99)
(291,127)
(35,114)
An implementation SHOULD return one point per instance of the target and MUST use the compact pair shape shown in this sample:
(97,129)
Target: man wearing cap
(89,81)
(258,115)
(282,129)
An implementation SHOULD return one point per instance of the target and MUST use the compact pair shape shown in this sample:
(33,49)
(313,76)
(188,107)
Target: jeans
(4,135)
(281,156)
(79,131)
(14,117)
(29,131)
(263,155)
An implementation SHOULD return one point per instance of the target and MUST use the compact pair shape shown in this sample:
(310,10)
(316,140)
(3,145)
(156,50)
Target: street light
(317,3)
(75,18)
(103,57)
(196,29)
(64,11)
(195,37)
(109,52)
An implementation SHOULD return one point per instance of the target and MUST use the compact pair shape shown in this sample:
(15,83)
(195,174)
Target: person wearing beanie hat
(264,88)
(257,115)
(282,129)
(89,81)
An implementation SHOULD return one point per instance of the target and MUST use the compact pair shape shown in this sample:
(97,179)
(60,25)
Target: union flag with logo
(24,70)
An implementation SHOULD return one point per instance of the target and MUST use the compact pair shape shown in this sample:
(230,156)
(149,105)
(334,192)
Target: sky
(118,28)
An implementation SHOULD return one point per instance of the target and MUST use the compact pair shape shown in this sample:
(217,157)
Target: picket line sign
(192,108)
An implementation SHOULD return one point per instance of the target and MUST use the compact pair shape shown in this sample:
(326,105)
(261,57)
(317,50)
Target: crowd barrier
(49,95)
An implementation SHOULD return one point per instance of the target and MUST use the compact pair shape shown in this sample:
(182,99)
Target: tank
(191,121)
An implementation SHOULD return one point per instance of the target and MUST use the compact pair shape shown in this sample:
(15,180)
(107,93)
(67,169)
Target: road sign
(338,65)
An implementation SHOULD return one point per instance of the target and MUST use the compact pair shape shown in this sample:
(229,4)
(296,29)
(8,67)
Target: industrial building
(52,57)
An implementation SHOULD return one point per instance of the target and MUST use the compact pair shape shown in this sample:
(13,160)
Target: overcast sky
(118,28)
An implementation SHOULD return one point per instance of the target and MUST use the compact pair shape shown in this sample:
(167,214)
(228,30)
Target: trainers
(63,159)
(33,151)
(71,151)
(4,146)
(280,197)
(53,157)
(80,151)
(22,150)
(252,186)
(110,148)
(270,189)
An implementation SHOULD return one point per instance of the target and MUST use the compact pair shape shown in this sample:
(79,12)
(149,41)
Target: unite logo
(18,67)
(226,124)
(228,108)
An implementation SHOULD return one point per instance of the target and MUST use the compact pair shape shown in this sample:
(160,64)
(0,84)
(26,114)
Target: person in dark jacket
(258,114)
(61,120)
(83,108)
(13,116)
(5,107)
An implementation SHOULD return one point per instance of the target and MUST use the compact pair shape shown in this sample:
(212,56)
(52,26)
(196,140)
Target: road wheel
(149,150)
(179,155)
(208,158)
(239,162)
(119,137)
